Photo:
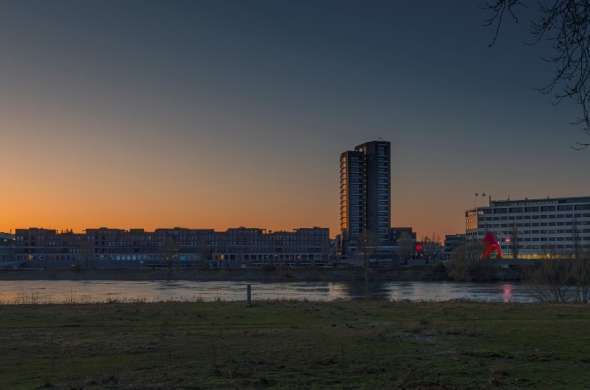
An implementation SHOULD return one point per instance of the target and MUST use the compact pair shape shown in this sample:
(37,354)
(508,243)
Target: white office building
(534,228)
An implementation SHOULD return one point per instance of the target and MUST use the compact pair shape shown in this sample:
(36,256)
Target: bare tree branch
(566,24)
(498,9)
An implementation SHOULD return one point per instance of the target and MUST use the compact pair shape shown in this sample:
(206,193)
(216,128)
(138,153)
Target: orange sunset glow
(234,133)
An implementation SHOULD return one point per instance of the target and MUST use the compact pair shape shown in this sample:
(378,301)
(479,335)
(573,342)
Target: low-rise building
(6,247)
(233,247)
(45,244)
(400,233)
(404,241)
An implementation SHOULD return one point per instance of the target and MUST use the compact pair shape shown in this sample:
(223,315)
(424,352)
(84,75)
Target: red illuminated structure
(419,248)
(491,245)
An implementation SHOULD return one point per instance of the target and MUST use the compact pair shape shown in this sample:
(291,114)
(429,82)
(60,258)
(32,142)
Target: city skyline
(220,115)
(318,194)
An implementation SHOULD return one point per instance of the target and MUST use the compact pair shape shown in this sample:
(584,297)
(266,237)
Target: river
(40,291)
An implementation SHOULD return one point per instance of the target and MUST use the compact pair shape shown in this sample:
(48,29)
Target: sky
(217,114)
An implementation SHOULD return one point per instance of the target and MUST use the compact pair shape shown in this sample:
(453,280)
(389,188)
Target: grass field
(348,345)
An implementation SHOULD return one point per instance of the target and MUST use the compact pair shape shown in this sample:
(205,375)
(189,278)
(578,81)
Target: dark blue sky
(224,113)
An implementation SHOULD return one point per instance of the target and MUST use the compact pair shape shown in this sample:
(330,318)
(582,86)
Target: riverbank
(360,344)
(206,275)
(417,273)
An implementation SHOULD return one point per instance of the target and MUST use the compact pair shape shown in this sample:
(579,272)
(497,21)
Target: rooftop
(527,201)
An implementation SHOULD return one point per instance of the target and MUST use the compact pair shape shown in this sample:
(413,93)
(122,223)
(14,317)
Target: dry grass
(360,344)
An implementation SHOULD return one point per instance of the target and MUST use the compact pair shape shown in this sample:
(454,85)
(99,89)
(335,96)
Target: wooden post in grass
(249,294)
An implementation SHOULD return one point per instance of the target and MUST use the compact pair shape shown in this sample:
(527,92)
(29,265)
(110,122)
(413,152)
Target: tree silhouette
(367,241)
(407,245)
(566,25)
(86,251)
(169,251)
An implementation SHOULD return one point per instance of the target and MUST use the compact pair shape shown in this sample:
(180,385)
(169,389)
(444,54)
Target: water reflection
(101,291)
(507,293)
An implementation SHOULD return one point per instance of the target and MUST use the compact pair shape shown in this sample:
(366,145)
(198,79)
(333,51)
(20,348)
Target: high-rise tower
(365,196)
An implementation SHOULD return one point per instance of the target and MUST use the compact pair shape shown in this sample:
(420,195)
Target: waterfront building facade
(233,247)
(365,198)
(6,247)
(534,228)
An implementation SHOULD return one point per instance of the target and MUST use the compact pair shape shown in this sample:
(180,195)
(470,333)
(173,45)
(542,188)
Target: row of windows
(547,247)
(542,216)
(184,257)
(542,239)
(283,241)
(505,210)
(559,231)
(522,238)
(511,225)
